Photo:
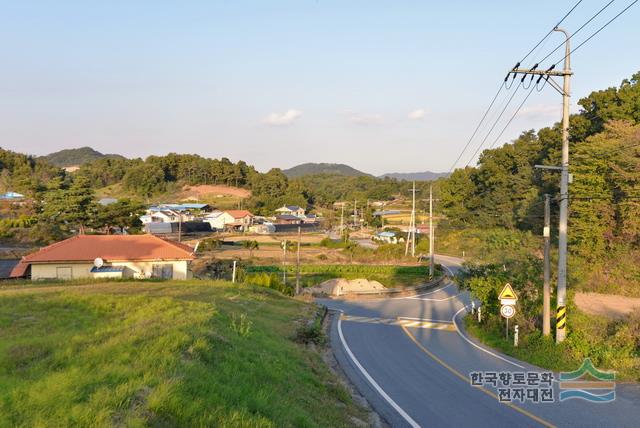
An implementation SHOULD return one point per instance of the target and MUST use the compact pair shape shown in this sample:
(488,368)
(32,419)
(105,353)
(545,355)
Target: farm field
(190,353)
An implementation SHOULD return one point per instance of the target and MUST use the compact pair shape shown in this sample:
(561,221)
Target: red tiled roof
(111,248)
(19,270)
(239,213)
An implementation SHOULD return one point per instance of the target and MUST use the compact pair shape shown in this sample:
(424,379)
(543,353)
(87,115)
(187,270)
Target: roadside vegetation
(494,213)
(191,353)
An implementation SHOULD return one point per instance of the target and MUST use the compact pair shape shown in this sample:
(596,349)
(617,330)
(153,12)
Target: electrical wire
(495,97)
(599,29)
(512,117)
(550,31)
(576,32)
(493,126)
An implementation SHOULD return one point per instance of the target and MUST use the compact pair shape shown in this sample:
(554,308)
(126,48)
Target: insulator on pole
(534,67)
(516,66)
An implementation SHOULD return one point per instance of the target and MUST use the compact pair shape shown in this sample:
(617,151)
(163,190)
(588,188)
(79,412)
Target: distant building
(11,196)
(231,219)
(101,256)
(181,207)
(387,237)
(291,210)
(288,219)
(263,228)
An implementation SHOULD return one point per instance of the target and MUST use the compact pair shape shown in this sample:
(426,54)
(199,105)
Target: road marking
(373,383)
(425,319)
(433,300)
(413,323)
(493,354)
(466,380)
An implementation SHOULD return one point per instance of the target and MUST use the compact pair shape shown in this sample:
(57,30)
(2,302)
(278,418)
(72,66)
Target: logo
(588,383)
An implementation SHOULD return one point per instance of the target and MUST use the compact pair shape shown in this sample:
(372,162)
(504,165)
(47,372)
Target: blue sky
(382,86)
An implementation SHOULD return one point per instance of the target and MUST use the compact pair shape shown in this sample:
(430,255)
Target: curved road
(411,358)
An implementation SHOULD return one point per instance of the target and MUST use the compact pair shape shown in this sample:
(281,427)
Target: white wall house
(291,210)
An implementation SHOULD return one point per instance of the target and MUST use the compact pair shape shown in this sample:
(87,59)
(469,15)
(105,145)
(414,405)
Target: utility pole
(298,262)
(561,323)
(179,226)
(411,236)
(566,73)
(284,263)
(546,292)
(342,221)
(355,213)
(431,234)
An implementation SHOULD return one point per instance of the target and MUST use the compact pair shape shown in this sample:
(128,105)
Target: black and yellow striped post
(561,318)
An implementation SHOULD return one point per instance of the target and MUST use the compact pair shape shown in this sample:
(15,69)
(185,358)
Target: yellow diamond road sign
(507,295)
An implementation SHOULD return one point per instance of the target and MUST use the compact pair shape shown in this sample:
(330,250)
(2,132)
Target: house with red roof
(108,256)
(230,220)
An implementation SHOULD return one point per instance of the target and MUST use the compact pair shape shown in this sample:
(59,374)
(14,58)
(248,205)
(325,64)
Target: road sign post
(508,299)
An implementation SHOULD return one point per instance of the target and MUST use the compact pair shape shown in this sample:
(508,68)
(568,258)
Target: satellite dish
(98,262)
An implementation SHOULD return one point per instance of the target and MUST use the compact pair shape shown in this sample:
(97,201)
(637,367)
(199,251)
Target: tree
(145,179)
(124,214)
(250,245)
(72,208)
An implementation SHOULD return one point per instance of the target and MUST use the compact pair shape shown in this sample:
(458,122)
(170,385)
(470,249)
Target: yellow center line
(466,380)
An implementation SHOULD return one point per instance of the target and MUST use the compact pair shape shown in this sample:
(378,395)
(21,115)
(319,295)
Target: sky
(384,86)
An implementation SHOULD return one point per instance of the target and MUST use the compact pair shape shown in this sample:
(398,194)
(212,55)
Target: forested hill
(76,157)
(506,190)
(322,168)
(415,176)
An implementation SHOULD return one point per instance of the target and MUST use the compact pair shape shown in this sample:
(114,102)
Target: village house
(107,256)
(387,237)
(231,219)
(288,219)
(291,210)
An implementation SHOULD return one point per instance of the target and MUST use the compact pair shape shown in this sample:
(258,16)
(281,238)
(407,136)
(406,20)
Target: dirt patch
(607,305)
(209,190)
(340,286)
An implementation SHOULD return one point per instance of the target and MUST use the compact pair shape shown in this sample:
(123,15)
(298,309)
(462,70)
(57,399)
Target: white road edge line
(480,347)
(433,300)
(373,383)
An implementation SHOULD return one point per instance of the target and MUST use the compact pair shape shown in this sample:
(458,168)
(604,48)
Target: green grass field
(389,275)
(192,353)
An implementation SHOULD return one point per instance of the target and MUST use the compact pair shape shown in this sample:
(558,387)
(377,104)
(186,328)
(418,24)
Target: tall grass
(195,353)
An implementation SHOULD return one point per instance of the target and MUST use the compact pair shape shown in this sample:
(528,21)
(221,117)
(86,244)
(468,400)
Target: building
(231,219)
(291,210)
(11,196)
(288,219)
(181,207)
(108,256)
(164,216)
(387,237)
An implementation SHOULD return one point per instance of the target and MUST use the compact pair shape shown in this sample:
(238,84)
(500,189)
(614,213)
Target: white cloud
(417,114)
(542,111)
(280,119)
(364,119)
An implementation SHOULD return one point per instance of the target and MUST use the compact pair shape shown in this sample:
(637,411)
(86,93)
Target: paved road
(411,358)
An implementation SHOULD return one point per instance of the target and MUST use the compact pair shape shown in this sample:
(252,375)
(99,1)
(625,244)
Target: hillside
(75,157)
(415,176)
(322,168)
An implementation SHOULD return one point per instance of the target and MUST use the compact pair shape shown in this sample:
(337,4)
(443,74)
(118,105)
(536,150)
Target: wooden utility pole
(355,213)
(546,292)
(298,262)
(179,226)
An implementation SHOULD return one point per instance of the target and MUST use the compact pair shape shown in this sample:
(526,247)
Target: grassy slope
(160,354)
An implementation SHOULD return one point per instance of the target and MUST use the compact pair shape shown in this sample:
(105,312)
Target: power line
(512,117)
(495,97)
(577,31)
(550,31)
(599,29)
(493,126)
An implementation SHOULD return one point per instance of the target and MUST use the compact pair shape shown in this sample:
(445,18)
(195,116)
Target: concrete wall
(83,270)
